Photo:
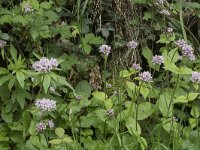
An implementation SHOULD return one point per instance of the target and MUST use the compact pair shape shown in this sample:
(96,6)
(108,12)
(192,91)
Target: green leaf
(13,52)
(5,78)
(83,88)
(46,5)
(35,141)
(55,141)
(3,71)
(144,91)
(60,132)
(145,110)
(131,126)
(171,67)
(102,114)
(20,77)
(147,53)
(3,137)
(164,104)
(46,82)
(99,95)
(67,140)
(192,96)
(35,4)
(173,55)
(127,73)
(195,112)
(181,99)
(108,103)
(185,70)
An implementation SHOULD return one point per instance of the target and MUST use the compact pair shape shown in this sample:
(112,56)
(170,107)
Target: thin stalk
(105,63)
(182,22)
(136,115)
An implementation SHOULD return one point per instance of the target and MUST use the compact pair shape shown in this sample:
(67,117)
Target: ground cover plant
(99,75)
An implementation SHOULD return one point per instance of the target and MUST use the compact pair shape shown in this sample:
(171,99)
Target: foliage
(126,111)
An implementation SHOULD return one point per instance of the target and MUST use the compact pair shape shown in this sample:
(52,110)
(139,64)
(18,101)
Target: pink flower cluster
(41,126)
(187,50)
(105,49)
(45,104)
(158,59)
(195,77)
(132,44)
(45,65)
(145,76)
(136,67)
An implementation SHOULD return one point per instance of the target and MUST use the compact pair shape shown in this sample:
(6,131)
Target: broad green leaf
(46,82)
(192,96)
(131,86)
(127,73)
(165,104)
(36,142)
(60,132)
(181,99)
(35,4)
(108,103)
(20,77)
(147,53)
(99,95)
(144,91)
(3,71)
(171,67)
(145,110)
(55,141)
(102,114)
(195,111)
(131,126)
(185,70)
(124,73)
(5,78)
(32,128)
(3,137)
(67,140)
(173,55)
(83,88)
(46,5)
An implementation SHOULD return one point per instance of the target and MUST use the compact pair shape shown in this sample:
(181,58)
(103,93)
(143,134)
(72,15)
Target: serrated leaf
(13,52)
(20,77)
(3,71)
(5,78)
(46,82)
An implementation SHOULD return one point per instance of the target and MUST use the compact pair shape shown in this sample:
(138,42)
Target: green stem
(136,115)
(182,22)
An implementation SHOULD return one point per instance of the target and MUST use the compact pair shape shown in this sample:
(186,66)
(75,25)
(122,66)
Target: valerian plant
(48,50)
